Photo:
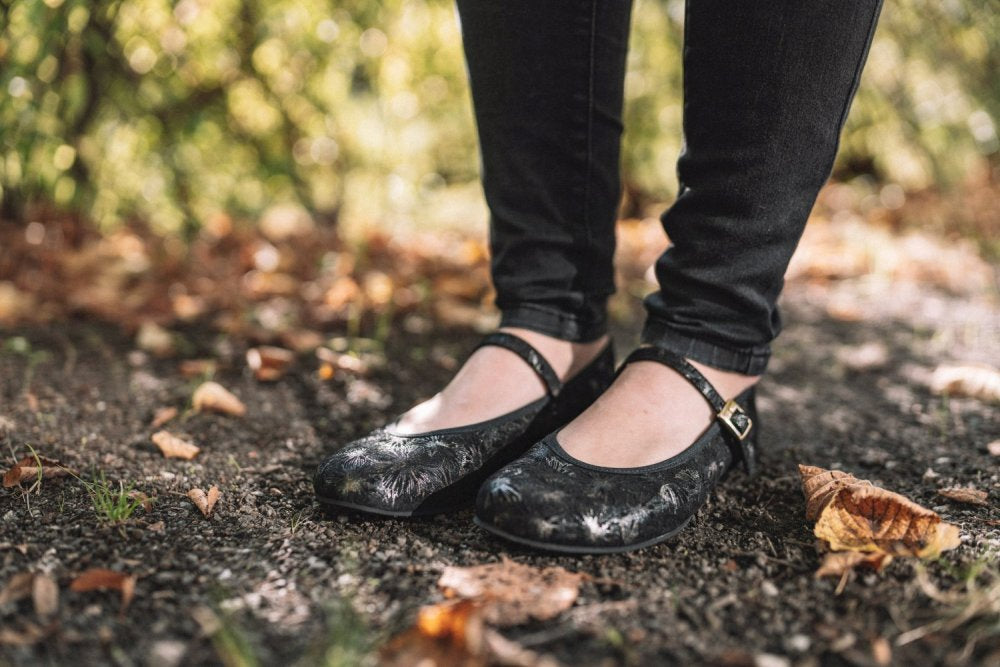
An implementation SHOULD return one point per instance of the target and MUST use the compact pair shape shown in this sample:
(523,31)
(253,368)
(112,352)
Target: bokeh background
(186,121)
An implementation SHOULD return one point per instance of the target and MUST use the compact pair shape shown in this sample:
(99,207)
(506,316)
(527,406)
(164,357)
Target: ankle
(566,357)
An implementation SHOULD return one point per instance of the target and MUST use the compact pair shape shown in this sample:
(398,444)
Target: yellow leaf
(871,523)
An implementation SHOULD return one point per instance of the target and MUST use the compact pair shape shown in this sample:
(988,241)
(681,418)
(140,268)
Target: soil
(287,582)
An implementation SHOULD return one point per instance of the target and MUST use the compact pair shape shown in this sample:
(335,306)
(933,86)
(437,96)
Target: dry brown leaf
(27,469)
(45,595)
(162,416)
(204,501)
(269,363)
(99,579)
(213,397)
(17,588)
(512,593)
(852,515)
(144,500)
(967,495)
(836,563)
(867,518)
(820,486)
(982,382)
(174,447)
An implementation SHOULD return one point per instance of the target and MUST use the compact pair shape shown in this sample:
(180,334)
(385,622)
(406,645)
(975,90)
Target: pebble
(771,660)
(800,643)
(166,653)
(769,589)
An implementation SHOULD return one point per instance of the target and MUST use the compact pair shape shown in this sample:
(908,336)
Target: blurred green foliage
(175,112)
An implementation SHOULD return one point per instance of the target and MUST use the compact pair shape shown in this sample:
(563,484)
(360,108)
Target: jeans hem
(553,322)
(748,361)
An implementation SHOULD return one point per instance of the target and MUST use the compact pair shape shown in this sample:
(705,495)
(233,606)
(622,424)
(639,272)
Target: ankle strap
(735,420)
(531,356)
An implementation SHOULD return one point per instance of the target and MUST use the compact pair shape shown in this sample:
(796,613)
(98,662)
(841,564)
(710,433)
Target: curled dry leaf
(174,447)
(213,397)
(99,579)
(966,495)
(982,382)
(511,593)
(162,416)
(45,595)
(204,501)
(27,469)
(269,363)
(853,515)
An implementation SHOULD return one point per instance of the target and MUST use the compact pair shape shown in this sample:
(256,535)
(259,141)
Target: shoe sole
(331,504)
(568,549)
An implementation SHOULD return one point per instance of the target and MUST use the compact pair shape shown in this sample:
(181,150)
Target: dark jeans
(767,85)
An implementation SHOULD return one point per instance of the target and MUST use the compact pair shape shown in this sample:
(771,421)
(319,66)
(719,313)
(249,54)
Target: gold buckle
(726,415)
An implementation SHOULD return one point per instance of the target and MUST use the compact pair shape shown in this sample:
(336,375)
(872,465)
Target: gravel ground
(280,582)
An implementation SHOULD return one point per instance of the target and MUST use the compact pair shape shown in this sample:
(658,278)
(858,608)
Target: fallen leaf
(156,527)
(836,563)
(17,588)
(450,633)
(174,447)
(982,382)
(853,515)
(269,363)
(27,469)
(162,416)
(145,501)
(213,397)
(967,495)
(99,579)
(45,595)
(512,593)
(820,486)
(204,501)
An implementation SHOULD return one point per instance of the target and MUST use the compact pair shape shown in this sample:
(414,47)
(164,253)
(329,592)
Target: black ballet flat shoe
(550,500)
(440,471)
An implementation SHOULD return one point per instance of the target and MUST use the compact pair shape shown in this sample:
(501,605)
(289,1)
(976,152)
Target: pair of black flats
(526,487)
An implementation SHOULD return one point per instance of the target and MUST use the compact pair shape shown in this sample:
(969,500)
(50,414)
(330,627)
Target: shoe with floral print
(440,471)
(550,500)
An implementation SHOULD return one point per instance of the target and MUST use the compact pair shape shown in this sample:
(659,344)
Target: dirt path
(289,584)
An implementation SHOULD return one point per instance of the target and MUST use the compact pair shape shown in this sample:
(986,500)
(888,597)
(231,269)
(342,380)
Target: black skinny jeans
(767,85)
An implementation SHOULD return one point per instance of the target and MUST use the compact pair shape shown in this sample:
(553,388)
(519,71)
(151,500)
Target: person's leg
(547,82)
(767,85)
